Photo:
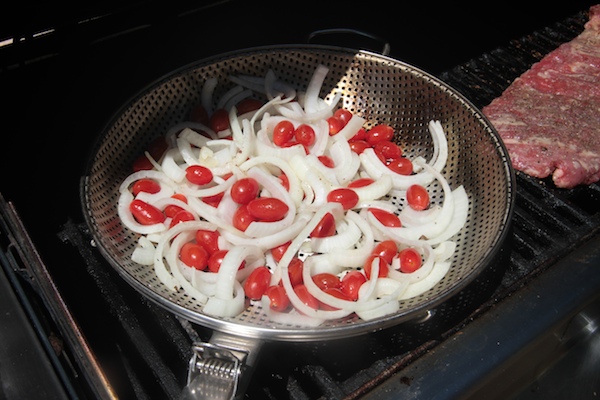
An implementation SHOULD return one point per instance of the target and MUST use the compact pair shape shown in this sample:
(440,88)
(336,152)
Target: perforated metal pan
(374,86)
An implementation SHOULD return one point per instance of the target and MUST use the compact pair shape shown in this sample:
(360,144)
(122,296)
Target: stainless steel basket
(375,87)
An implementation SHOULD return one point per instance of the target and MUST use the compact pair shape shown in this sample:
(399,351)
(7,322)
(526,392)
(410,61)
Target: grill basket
(379,89)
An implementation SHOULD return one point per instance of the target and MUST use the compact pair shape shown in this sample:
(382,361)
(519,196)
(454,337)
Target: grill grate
(548,224)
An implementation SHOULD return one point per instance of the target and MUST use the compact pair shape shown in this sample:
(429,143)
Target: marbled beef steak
(549,117)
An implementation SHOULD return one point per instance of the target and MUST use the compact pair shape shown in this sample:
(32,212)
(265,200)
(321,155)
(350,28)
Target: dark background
(70,68)
(59,89)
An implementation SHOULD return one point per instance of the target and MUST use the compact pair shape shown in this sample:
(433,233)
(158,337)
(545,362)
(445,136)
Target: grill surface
(548,224)
(376,88)
(149,348)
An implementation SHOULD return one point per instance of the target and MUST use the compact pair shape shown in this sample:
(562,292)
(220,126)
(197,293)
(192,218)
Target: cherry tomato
(386,218)
(343,114)
(219,121)
(305,297)
(156,149)
(257,283)
(180,197)
(361,182)
(145,185)
(283,132)
(267,209)
(387,150)
(198,174)
(244,190)
(277,252)
(358,146)
(295,268)
(335,125)
(351,283)
(326,161)
(171,210)
(305,135)
(278,298)
(248,104)
(199,114)
(242,218)
(142,163)
(146,214)
(181,216)
(193,255)
(292,143)
(216,259)
(325,227)
(386,249)
(326,280)
(360,135)
(213,200)
(379,133)
(208,239)
(384,267)
(417,197)
(285,182)
(401,165)
(335,292)
(346,197)
(410,260)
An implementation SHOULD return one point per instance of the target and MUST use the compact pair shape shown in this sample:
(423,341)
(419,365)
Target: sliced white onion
(253,153)
(376,169)
(439,270)
(311,100)
(444,250)
(351,128)
(228,98)
(172,256)
(159,176)
(295,190)
(206,95)
(459,218)
(194,191)
(144,252)
(275,188)
(219,307)
(171,168)
(193,126)
(376,190)
(161,270)
(226,277)
(194,137)
(348,234)
(346,162)
(270,241)
(432,229)
(440,146)
(419,274)
(411,217)
(354,258)
(186,151)
(291,317)
(128,219)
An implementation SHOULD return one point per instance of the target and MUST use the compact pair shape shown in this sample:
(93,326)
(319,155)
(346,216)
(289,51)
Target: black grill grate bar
(555,220)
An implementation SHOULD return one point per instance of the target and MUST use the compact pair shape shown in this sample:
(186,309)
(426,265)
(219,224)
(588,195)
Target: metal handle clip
(214,372)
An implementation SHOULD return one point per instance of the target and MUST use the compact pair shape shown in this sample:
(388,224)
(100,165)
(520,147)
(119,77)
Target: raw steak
(549,117)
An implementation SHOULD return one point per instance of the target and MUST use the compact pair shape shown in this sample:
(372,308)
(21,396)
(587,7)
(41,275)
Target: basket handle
(221,368)
(349,31)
